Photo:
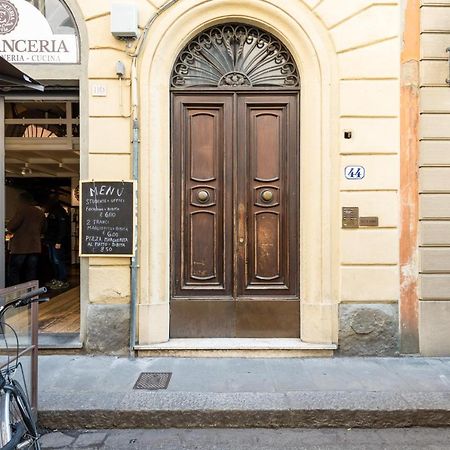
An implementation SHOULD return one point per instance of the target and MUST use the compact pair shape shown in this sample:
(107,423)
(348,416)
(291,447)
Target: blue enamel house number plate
(355,172)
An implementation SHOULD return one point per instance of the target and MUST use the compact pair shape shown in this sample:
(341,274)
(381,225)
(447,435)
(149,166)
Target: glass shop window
(58,119)
(57,15)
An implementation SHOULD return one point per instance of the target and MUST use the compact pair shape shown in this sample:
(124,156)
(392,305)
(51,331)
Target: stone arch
(311,46)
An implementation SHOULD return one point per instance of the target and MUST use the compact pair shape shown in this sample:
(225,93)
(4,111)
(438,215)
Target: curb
(106,419)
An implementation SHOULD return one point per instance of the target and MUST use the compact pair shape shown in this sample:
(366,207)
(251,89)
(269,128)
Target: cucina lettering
(45,58)
(33,46)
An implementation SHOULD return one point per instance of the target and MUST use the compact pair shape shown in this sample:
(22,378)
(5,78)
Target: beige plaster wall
(348,54)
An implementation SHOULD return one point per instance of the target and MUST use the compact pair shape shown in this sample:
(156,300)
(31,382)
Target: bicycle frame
(21,424)
(32,349)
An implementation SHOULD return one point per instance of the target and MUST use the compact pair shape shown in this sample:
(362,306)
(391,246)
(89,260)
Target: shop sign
(107,218)
(27,38)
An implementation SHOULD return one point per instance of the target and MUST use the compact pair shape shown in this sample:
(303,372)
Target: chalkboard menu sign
(107,218)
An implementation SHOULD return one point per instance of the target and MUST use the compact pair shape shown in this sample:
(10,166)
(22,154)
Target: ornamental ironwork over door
(235,195)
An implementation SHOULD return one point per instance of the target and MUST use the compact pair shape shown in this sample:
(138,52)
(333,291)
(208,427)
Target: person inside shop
(55,238)
(27,226)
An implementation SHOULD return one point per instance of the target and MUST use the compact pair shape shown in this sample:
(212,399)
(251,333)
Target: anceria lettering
(33,46)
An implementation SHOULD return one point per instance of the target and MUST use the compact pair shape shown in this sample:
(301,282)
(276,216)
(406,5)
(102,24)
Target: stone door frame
(311,45)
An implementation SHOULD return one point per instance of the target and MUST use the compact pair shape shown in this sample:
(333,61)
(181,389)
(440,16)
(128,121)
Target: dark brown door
(235,214)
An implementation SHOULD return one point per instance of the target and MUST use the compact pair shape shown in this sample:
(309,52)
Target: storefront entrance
(235,188)
(42,166)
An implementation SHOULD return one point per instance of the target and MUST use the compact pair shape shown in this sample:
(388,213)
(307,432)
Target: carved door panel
(267,196)
(202,199)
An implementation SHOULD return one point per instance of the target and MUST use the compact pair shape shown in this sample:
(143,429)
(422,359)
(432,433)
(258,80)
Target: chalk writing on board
(107,218)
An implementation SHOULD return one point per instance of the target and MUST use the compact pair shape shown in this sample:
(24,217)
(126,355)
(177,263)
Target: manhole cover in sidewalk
(152,381)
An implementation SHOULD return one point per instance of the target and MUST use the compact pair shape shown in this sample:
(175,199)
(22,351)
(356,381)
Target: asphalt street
(255,439)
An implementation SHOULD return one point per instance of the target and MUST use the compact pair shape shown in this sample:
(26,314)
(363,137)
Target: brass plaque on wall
(368,221)
(350,217)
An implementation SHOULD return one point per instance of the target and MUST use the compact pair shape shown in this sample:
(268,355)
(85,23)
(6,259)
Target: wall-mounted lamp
(120,69)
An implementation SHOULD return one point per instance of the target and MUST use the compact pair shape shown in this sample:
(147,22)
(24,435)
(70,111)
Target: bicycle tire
(16,437)
(27,415)
(24,405)
(13,428)
(21,413)
(26,412)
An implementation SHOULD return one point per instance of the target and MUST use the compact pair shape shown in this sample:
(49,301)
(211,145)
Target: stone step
(246,410)
(237,348)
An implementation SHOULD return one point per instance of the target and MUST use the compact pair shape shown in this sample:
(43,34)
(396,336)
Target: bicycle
(18,428)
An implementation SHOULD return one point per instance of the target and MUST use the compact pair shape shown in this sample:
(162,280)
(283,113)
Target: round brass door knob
(267,195)
(203,196)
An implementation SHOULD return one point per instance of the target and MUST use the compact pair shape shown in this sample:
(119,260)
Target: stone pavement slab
(250,439)
(97,392)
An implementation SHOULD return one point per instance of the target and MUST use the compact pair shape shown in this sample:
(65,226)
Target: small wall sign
(355,172)
(99,90)
(350,217)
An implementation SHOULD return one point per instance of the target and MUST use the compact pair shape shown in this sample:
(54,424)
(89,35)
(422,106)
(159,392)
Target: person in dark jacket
(56,233)
(27,226)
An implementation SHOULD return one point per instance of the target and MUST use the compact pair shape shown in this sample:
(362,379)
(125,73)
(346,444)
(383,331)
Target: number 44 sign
(355,172)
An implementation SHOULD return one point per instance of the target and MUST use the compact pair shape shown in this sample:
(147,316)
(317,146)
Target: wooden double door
(235,215)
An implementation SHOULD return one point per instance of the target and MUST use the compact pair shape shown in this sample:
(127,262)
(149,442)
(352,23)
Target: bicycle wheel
(18,425)
(12,428)
(26,413)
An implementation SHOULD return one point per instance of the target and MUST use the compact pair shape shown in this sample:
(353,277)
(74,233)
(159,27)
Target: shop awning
(11,76)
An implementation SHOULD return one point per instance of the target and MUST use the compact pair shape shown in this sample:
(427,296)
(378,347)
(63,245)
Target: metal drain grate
(153,381)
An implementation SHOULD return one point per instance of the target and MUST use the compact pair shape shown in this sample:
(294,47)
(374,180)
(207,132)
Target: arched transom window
(235,55)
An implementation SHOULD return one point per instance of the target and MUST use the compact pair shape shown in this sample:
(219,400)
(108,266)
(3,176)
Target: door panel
(202,212)
(268,190)
(235,212)
(265,142)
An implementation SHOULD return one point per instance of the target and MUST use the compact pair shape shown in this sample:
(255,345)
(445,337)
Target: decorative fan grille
(235,55)
(33,131)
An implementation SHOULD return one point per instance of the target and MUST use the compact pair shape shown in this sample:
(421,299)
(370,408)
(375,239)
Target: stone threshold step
(238,347)
(236,344)
(59,341)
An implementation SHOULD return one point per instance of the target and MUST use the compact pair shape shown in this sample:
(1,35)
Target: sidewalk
(97,392)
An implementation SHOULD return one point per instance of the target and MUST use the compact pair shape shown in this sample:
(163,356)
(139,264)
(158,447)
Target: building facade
(275,211)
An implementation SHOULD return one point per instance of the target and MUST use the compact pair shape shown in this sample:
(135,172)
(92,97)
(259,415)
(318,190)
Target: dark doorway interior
(61,315)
